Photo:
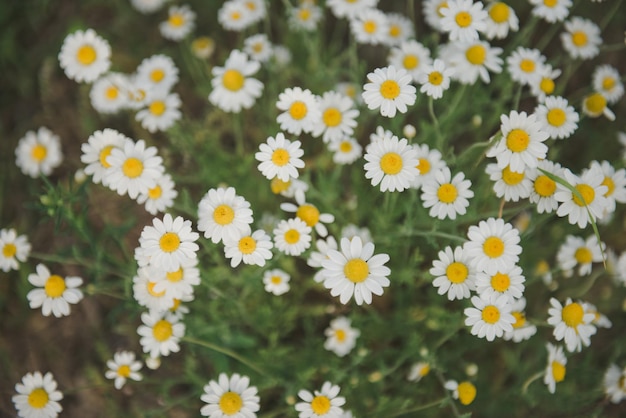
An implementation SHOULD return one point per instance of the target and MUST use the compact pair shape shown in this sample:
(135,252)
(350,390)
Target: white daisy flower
(300,111)
(490,317)
(522,143)
(392,163)
(571,323)
(581,38)
(593,204)
(337,117)
(473,59)
(543,84)
(454,273)
(147,6)
(349,8)
(340,336)
(145,294)
(276,281)
(400,29)
(599,320)
(410,56)
(179,24)
(123,366)
(38,153)
(523,64)
(292,236)
(169,242)
(309,214)
(418,371)
(13,248)
(251,248)
(595,105)
(352,90)
(176,283)
(158,72)
(551,11)
(203,47)
(85,56)
(160,197)
(256,8)
(544,188)
(614,180)
(161,112)
(346,150)
(493,245)
(522,329)
(350,231)
(431,9)
(614,383)
(435,79)
(160,333)
(429,163)
(555,370)
(290,188)
(389,90)
(576,251)
(96,150)
(53,294)
(222,213)
(321,404)
(258,47)
(37,396)
(280,157)
(557,118)
(108,93)
(509,282)
(355,271)
(463,19)
(305,16)
(501,19)
(446,196)
(235,16)
(317,257)
(464,391)
(230,396)
(370,26)
(233,86)
(606,80)
(512,186)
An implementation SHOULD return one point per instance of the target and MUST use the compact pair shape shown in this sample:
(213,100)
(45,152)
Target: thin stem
(417,408)
(530,380)
(431,112)
(442,380)
(226,352)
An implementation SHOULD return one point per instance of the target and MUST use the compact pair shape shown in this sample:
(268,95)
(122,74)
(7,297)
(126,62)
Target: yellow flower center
(223,215)
(395,31)
(526,65)
(276,279)
(517,140)
(520,319)
(340,335)
(320,405)
(175,276)
(155,192)
(435,78)
(595,104)
(123,371)
(610,185)
(550,3)
(500,282)
(391,163)
(111,93)
(586,192)
(162,330)
(235,15)
(511,178)
(157,75)
(467,393)
(176,20)
(583,255)
(493,247)
(608,83)
(258,47)
(157,107)
(447,193)
(558,371)
(463,19)
(499,12)
(55,286)
(39,152)
(247,245)
(332,117)
(132,167)
(491,314)
(476,54)
(572,314)
(556,117)
(278,186)
(345,146)
(423,166)
(309,214)
(86,55)
(280,157)
(38,398)
(251,5)
(356,270)
(542,267)
(169,242)
(410,62)
(547,85)
(292,236)
(544,186)
(369,26)
(9,250)
(457,272)
(298,110)
(231,403)
(579,38)
(389,89)
(152,292)
(176,305)
(232,80)
(304,14)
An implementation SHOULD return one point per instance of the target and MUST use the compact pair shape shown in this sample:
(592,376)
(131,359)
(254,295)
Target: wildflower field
(312,208)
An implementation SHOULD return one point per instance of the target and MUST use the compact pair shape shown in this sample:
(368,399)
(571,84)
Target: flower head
(54,293)
(230,396)
(37,396)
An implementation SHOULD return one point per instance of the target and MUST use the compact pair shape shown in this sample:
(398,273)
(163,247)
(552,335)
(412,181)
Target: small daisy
(179,24)
(96,150)
(392,163)
(463,19)
(389,90)
(593,204)
(595,105)
(37,396)
(145,294)
(169,242)
(321,404)
(352,90)
(465,391)
(614,180)
(581,38)
(524,64)
(230,397)
(429,163)
(38,152)
(490,317)
(355,271)
(410,56)
(134,168)
(522,143)
(85,56)
(418,371)
(281,56)
(606,80)
(158,72)
(233,86)
(300,111)
(13,248)
(493,245)
(317,257)
(614,383)
(251,248)
(454,274)
(292,236)
(305,16)
(509,185)
(350,231)
(349,8)
(289,189)
(309,214)
(160,197)
(147,6)
(340,336)
(473,59)
(337,117)
(280,157)
(53,294)
(400,29)
(108,93)
(522,329)
(176,283)
(161,112)
(543,84)
(509,282)
(346,150)
(222,213)
(435,79)
(555,370)
(256,9)
(203,47)
(576,251)
(551,11)
(557,118)
(431,9)
(276,281)
(235,16)
(599,320)
(370,26)
(446,196)
(258,47)
(571,323)
(122,367)
(160,333)
(543,187)
(501,19)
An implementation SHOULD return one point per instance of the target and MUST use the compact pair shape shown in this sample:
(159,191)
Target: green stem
(226,352)
(431,112)
(530,380)
(449,397)
(417,408)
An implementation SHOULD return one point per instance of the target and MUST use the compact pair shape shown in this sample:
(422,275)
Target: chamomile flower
(337,117)
(346,150)
(418,371)
(581,38)
(321,404)
(429,163)
(581,253)
(464,391)
(309,214)
(614,180)
(557,118)
(169,242)
(355,271)
(85,56)
(179,24)
(276,281)
(400,29)
(222,213)
(123,366)
(279,157)
(543,84)
(176,283)
(13,248)
(473,59)
(555,370)
(370,26)
(158,72)
(435,79)
(340,336)
(614,383)
(160,197)
(522,143)
(389,90)
(501,19)
(96,150)
(305,16)
(522,329)
(493,245)
(161,112)
(256,9)
(410,56)
(590,187)
(509,185)
(431,9)
(490,317)
(595,105)
(230,396)
(463,19)
(134,168)
(446,196)
(38,153)
(599,320)
(317,257)
(509,282)
(160,333)
(349,8)
(454,273)
(300,111)
(572,323)
(145,295)
(203,47)
(233,86)
(352,90)
(392,163)
(147,6)
(292,236)
(108,94)
(53,294)
(234,15)
(258,47)
(290,188)
(524,64)
(37,396)
(606,80)
(251,248)
(544,188)
(551,11)
(350,231)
